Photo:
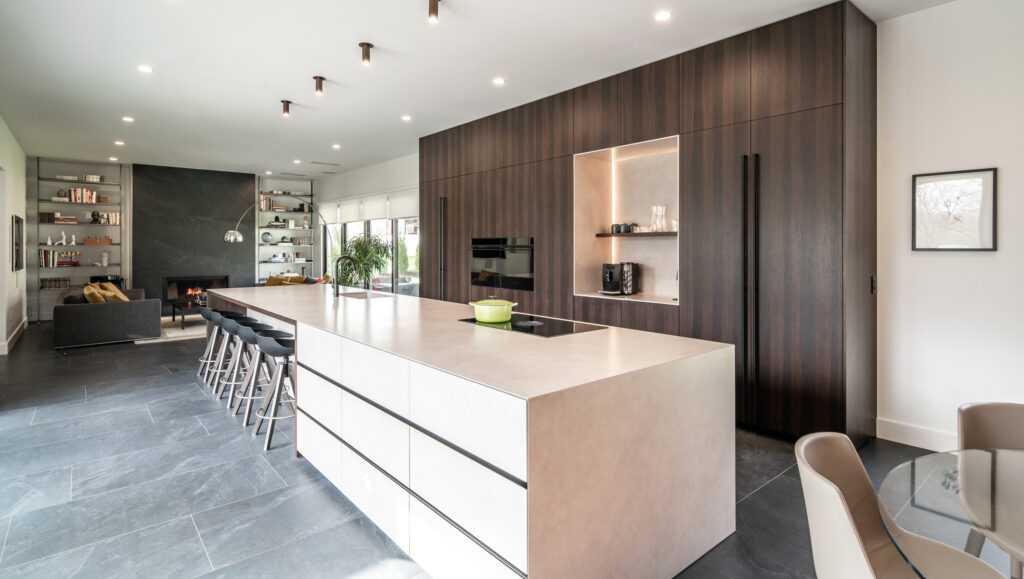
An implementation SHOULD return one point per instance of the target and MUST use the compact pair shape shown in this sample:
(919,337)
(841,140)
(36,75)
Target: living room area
(127,252)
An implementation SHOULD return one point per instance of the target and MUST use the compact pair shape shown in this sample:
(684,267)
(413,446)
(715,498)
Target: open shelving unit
(46,279)
(291,201)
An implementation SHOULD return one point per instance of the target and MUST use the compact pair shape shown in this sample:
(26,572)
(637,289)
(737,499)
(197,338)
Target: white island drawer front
(318,447)
(319,350)
(380,499)
(445,553)
(382,438)
(483,421)
(377,375)
(489,506)
(320,399)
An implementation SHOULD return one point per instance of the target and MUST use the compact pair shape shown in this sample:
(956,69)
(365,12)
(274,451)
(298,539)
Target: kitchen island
(489,453)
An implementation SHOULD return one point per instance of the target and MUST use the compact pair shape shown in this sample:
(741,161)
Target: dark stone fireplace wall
(179,219)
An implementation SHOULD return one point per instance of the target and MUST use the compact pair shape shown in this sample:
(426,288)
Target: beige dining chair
(848,536)
(986,426)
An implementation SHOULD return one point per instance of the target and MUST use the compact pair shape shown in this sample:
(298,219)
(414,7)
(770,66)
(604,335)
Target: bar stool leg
(270,405)
(205,359)
(215,337)
(218,368)
(230,374)
(273,416)
(244,359)
(251,397)
(251,373)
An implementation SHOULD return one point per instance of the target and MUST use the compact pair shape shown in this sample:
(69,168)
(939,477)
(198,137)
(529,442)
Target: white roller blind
(398,204)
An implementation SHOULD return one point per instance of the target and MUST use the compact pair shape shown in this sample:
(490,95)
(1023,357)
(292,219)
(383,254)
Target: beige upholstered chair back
(842,510)
(992,425)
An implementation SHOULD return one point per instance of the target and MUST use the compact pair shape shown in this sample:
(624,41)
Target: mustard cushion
(93,295)
(112,293)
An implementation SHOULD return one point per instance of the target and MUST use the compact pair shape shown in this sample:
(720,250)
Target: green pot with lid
(493,311)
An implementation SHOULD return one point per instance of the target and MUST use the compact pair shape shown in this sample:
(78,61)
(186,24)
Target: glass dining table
(945,496)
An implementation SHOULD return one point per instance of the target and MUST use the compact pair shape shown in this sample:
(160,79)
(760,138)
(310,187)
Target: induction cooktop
(538,325)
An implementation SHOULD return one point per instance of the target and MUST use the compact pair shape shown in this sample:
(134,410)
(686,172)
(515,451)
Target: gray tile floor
(113,463)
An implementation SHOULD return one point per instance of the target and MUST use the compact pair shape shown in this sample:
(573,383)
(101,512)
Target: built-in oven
(503,262)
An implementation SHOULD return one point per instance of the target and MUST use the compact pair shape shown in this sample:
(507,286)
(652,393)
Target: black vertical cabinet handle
(756,244)
(442,268)
(745,184)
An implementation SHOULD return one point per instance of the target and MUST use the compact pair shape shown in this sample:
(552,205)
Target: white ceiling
(68,70)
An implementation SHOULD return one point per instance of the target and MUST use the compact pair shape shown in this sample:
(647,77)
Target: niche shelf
(619,185)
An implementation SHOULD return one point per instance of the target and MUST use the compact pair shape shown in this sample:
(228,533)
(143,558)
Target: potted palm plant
(360,259)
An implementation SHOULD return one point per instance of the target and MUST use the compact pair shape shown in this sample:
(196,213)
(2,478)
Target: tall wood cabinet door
(597,115)
(798,337)
(649,97)
(797,63)
(539,130)
(716,84)
(430,236)
(550,198)
(714,189)
(460,210)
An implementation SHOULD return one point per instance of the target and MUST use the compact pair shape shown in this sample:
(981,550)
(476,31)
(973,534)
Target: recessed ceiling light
(128,119)
(335,146)
(114,159)
(662,16)
(297,161)
(498,81)
(407,118)
(145,69)
(119,143)
(268,172)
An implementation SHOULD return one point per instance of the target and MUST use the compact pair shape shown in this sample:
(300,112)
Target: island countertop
(429,332)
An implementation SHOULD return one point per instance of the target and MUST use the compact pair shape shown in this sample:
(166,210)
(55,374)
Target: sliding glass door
(402,273)
(407,256)
(383,229)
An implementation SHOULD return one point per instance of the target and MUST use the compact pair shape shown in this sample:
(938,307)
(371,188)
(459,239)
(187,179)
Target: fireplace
(191,287)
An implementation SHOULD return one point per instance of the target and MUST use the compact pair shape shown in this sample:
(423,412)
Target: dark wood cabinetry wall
(777,207)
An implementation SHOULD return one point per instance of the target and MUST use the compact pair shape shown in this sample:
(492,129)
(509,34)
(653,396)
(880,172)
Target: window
(382,228)
(402,274)
(407,256)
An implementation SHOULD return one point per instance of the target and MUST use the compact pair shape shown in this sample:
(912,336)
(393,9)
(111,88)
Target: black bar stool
(212,333)
(281,352)
(242,362)
(225,357)
(253,389)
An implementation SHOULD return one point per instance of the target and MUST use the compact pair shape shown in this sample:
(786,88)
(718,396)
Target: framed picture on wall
(17,243)
(954,211)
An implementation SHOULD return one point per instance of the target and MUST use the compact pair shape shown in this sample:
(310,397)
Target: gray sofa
(85,324)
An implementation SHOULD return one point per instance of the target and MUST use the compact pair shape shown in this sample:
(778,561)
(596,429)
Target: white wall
(12,202)
(363,193)
(950,325)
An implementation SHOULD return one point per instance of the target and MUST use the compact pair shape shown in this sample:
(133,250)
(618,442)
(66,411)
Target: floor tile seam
(66,441)
(356,515)
(204,511)
(160,479)
(202,543)
(275,471)
(93,543)
(766,483)
(3,548)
